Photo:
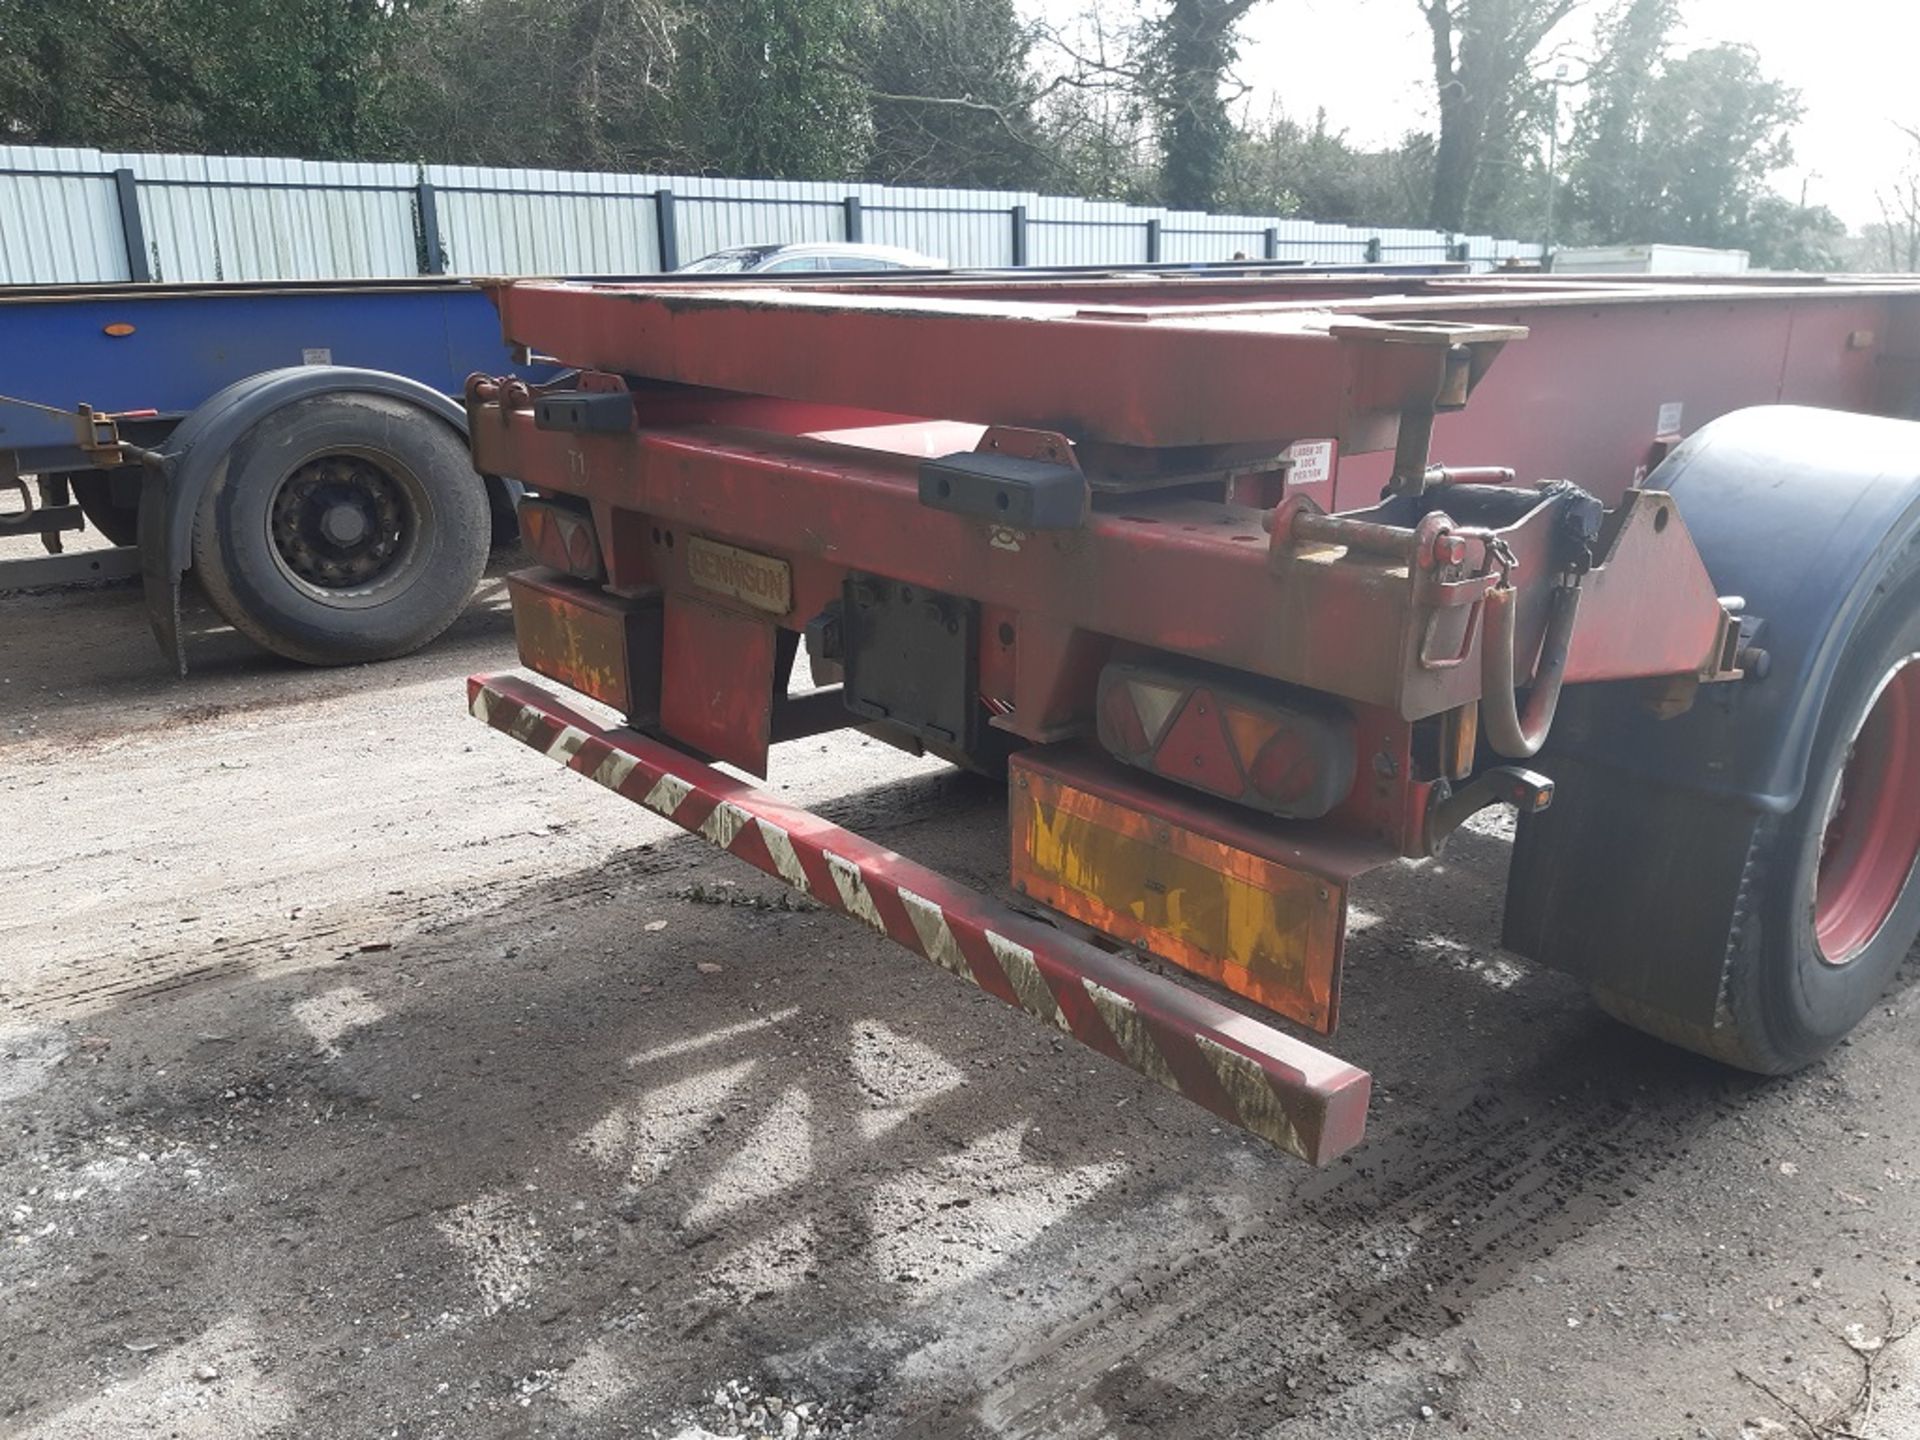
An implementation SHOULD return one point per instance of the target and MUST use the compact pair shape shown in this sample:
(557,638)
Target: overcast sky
(1854,62)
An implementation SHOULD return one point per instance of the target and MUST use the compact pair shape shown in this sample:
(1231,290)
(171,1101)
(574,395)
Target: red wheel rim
(1872,836)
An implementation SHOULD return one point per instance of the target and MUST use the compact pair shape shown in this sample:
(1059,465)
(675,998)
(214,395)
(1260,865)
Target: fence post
(127,191)
(856,227)
(1018,215)
(1270,242)
(1153,242)
(433,260)
(664,227)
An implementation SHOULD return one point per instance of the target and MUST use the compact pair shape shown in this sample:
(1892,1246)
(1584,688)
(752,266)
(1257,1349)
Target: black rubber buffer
(1024,494)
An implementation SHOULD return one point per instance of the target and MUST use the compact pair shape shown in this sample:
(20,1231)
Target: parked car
(801,257)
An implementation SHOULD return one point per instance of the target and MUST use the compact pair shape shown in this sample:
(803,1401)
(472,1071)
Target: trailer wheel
(1740,878)
(93,491)
(342,528)
(1829,901)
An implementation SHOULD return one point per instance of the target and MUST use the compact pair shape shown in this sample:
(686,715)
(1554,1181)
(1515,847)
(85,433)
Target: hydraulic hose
(1515,733)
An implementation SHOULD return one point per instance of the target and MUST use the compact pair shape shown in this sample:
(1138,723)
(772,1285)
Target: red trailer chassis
(1228,574)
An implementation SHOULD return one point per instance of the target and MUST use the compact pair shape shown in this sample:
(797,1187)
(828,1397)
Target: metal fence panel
(544,222)
(1312,241)
(216,217)
(1087,232)
(1209,238)
(961,227)
(205,218)
(59,223)
(719,214)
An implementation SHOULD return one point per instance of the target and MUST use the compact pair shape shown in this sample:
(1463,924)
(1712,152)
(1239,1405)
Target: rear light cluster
(1284,751)
(561,538)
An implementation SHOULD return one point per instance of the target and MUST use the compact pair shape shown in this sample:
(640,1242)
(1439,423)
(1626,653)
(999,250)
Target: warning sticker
(1312,463)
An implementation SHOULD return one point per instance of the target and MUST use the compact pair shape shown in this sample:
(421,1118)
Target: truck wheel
(1829,902)
(342,528)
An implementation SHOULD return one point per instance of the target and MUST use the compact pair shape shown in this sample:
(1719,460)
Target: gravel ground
(366,1075)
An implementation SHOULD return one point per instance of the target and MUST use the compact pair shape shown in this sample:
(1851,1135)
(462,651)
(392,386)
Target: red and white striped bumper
(1246,1072)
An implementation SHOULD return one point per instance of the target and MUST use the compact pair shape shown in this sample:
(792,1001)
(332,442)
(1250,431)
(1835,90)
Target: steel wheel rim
(345,527)
(1871,839)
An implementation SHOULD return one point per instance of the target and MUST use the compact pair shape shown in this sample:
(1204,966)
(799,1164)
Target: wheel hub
(344,525)
(340,522)
(1872,837)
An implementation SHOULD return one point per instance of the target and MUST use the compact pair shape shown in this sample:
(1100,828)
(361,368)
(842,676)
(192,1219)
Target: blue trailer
(299,446)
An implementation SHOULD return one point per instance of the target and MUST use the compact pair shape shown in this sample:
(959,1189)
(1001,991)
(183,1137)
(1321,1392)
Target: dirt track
(367,1075)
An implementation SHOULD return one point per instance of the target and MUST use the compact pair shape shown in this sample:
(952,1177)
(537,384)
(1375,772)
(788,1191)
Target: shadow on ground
(552,1169)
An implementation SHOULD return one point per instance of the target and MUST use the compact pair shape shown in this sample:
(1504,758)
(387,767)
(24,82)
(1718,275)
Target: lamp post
(1553,152)
(1560,79)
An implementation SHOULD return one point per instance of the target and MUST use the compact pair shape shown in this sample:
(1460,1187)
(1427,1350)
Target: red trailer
(1250,584)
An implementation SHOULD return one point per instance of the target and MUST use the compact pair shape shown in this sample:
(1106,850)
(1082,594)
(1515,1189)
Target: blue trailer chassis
(185,372)
(169,348)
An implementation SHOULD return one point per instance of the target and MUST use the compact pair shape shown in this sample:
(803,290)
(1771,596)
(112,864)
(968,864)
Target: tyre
(1829,903)
(116,521)
(343,528)
(1739,878)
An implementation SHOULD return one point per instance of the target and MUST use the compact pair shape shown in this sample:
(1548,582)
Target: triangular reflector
(1154,703)
(1197,751)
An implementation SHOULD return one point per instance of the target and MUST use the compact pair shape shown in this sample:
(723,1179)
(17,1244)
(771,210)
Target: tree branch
(977,107)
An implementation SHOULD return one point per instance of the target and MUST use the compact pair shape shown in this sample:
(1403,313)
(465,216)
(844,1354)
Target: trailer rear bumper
(1301,1099)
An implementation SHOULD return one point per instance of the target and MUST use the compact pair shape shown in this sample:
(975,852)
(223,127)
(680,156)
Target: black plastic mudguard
(1801,513)
(1633,879)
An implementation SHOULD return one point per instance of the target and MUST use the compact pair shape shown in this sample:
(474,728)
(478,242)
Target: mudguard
(1800,512)
(197,449)
(1634,879)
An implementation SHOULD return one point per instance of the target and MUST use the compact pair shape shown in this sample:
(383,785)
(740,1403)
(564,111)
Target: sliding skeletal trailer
(1250,585)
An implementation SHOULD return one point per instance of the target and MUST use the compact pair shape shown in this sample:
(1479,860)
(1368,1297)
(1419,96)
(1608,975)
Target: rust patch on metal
(604,646)
(1220,898)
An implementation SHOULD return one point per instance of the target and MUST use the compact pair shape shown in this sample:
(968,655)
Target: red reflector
(1120,728)
(560,538)
(1285,770)
(1196,750)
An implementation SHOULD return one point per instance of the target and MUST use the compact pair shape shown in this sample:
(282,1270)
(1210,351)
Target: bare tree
(952,94)
(1900,209)
(1484,52)
(1091,103)
(1136,100)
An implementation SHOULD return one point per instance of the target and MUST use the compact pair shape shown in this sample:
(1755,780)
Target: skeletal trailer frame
(984,503)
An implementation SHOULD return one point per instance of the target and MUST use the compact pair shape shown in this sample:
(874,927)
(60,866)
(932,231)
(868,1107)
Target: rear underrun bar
(1301,1099)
